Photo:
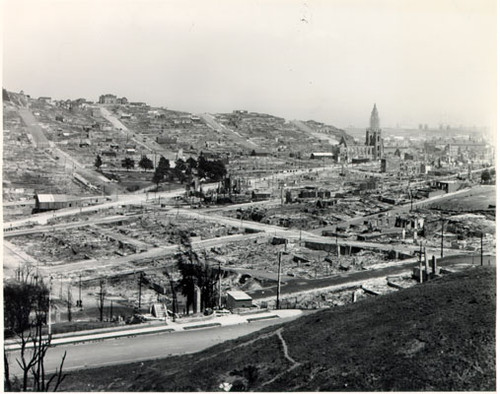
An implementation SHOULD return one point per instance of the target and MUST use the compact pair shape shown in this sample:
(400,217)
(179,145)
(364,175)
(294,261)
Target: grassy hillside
(436,336)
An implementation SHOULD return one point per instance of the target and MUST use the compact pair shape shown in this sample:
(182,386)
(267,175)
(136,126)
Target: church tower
(374,120)
(374,135)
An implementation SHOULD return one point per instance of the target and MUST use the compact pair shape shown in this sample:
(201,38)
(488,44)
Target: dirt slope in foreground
(436,336)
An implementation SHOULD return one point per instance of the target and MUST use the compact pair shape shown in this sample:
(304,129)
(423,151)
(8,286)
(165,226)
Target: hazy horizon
(420,61)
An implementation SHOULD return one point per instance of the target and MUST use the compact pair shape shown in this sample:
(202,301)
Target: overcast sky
(422,61)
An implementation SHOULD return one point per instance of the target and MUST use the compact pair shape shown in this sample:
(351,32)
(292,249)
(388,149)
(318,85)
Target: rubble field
(159,230)
(261,257)
(68,245)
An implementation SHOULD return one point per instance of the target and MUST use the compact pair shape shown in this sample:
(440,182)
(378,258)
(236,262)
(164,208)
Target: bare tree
(25,273)
(26,307)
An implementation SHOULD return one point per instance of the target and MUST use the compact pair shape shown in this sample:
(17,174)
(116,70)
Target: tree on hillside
(164,165)
(146,163)
(485,177)
(214,169)
(98,162)
(128,163)
(191,163)
(180,170)
(157,177)
(161,171)
(26,308)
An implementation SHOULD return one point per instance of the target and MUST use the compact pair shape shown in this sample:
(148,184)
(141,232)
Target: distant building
(166,139)
(112,99)
(369,184)
(409,222)
(429,192)
(390,164)
(260,195)
(425,168)
(314,193)
(448,186)
(347,150)
(50,202)
(108,99)
(468,149)
(322,155)
(374,135)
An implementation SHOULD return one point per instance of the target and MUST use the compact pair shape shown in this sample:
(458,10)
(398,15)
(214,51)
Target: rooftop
(239,295)
(44,198)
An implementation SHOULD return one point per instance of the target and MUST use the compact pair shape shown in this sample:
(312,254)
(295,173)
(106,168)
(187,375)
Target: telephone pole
(279,282)
(69,302)
(80,291)
(220,289)
(481,249)
(442,237)
(49,323)
(140,288)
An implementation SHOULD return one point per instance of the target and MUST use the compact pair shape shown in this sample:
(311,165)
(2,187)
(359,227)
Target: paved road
(301,285)
(321,136)
(63,226)
(38,137)
(152,147)
(161,345)
(210,120)
(41,141)
(144,347)
(126,199)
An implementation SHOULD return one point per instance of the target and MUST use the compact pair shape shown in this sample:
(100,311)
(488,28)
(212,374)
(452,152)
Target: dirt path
(294,365)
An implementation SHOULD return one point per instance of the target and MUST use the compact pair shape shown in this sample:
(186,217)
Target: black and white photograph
(249,195)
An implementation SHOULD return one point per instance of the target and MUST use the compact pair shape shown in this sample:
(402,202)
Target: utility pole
(442,236)
(220,288)
(481,249)
(140,288)
(102,295)
(61,288)
(69,302)
(49,323)
(279,282)
(80,291)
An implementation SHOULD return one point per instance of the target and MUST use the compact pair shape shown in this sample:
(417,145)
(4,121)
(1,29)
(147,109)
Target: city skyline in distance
(421,62)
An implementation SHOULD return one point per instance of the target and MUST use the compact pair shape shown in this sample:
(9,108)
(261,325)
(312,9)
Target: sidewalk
(169,326)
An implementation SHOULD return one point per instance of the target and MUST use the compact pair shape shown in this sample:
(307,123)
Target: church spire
(374,120)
